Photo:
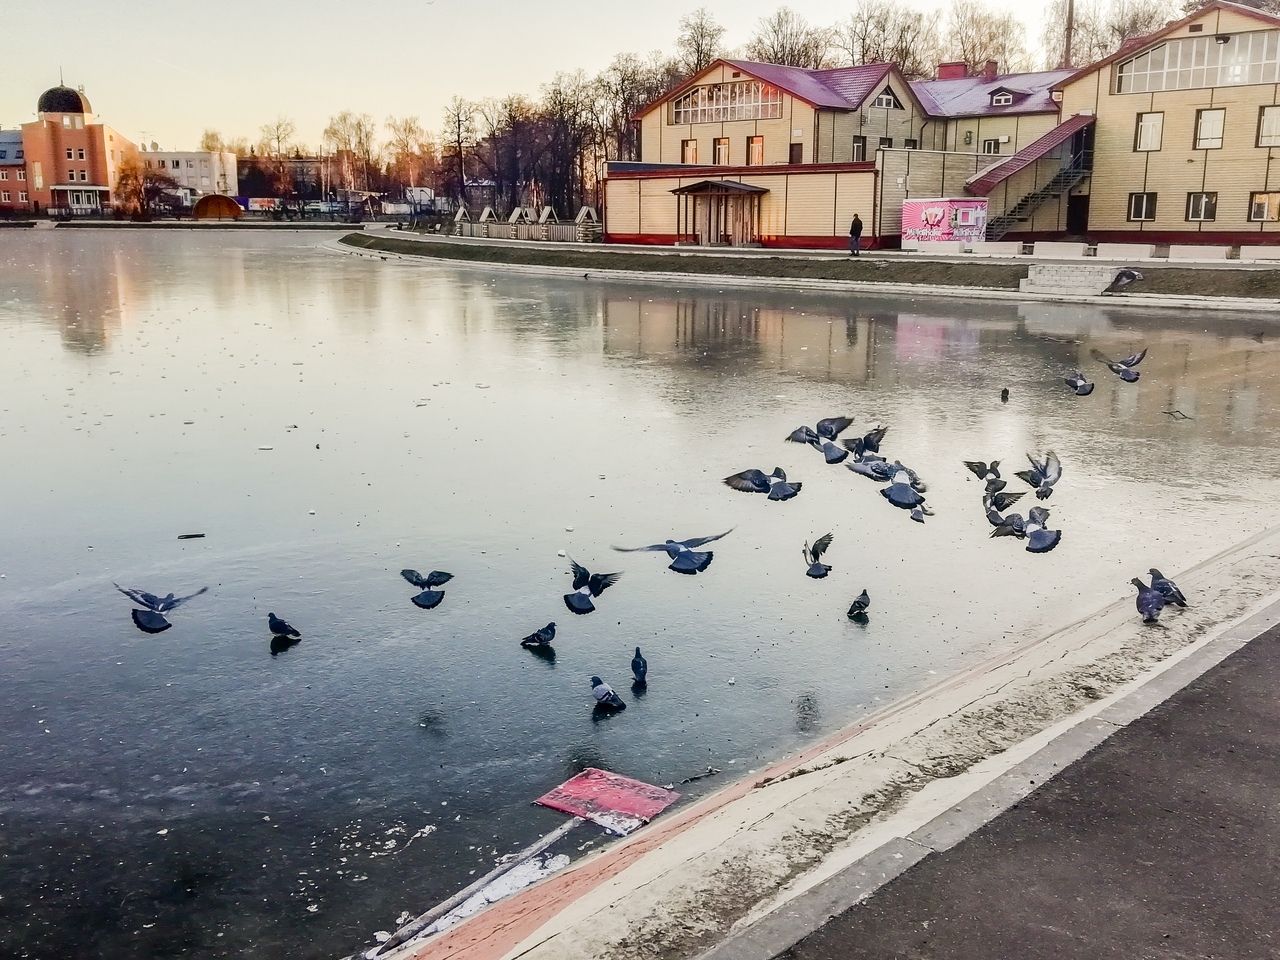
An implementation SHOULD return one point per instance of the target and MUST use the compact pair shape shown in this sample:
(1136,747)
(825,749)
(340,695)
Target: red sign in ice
(617,803)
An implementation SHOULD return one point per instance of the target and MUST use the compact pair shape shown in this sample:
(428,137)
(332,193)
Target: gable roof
(1133,45)
(971,96)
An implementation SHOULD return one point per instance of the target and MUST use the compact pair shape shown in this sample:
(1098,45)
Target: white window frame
(22,196)
(1269,126)
(1143,133)
(80,153)
(719,102)
(991,142)
(1245,59)
(886,99)
(1270,207)
(754,158)
(859,151)
(71,154)
(1002,99)
(1148,208)
(4,174)
(720,152)
(689,148)
(1211,124)
(22,173)
(886,143)
(4,196)
(1197,201)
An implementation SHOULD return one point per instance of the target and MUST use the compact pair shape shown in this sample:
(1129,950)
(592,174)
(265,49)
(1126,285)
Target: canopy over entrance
(718,212)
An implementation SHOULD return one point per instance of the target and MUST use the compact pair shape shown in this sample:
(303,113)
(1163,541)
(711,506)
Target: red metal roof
(971,96)
(986,180)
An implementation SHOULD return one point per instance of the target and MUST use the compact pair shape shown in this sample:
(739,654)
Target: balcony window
(1202,207)
(1209,126)
(718,102)
(1142,206)
(1236,59)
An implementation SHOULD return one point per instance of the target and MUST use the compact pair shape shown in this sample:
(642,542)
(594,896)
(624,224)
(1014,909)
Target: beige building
(200,172)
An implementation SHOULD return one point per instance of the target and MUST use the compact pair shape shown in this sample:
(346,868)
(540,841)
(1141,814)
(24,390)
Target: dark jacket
(855,228)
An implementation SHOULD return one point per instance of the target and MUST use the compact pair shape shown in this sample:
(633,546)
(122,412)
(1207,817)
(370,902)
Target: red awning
(983,182)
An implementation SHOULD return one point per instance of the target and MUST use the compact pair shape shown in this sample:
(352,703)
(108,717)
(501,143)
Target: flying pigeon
(1010,525)
(869,443)
(859,607)
(1040,539)
(775,484)
(1121,368)
(428,599)
(585,586)
(1166,588)
(1079,384)
(640,668)
(989,473)
(902,492)
(540,638)
(684,558)
(1124,278)
(1042,475)
(813,554)
(880,470)
(605,695)
(824,437)
(279,628)
(1149,601)
(1000,502)
(151,618)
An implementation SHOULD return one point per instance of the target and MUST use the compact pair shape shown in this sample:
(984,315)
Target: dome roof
(63,100)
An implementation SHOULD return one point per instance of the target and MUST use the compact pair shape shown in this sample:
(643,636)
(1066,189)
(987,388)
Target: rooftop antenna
(61,83)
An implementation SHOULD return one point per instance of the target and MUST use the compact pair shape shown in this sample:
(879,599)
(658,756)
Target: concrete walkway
(1163,842)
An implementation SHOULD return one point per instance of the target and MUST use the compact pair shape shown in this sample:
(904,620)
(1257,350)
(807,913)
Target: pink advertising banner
(944,218)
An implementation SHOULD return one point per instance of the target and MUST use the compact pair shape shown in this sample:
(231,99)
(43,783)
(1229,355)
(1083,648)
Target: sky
(165,71)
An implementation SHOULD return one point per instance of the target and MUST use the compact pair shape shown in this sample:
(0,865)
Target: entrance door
(1078,215)
(702,226)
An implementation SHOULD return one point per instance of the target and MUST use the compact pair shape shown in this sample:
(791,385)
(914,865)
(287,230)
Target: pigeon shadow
(281,644)
(600,712)
(639,688)
(861,619)
(544,652)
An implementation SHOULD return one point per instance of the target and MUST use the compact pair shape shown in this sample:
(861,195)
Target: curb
(789,923)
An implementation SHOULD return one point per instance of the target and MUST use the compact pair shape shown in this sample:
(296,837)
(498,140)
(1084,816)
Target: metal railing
(1076,167)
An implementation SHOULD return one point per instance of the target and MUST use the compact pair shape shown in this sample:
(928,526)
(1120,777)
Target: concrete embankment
(697,876)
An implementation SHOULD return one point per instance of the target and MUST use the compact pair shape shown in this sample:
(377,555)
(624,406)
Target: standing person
(855,236)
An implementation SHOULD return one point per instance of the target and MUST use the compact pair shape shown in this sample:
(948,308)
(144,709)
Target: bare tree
(351,138)
(140,190)
(976,34)
(411,152)
(276,141)
(1100,27)
(882,31)
(211,141)
(699,40)
(622,89)
(787,38)
(458,139)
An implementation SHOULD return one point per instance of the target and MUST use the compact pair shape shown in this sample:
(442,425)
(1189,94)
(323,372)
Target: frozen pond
(189,794)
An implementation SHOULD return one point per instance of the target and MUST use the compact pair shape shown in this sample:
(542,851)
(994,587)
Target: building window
(37,174)
(720,151)
(886,143)
(717,102)
(1149,131)
(1142,206)
(84,176)
(910,144)
(797,153)
(175,164)
(1269,127)
(859,149)
(991,146)
(71,154)
(18,155)
(1182,64)
(1264,206)
(1209,124)
(191,164)
(66,121)
(4,174)
(887,100)
(148,163)
(4,196)
(80,154)
(1202,207)
(22,196)
(688,151)
(1001,99)
(755,151)
(22,173)
(71,176)
(4,154)
(78,122)
(204,164)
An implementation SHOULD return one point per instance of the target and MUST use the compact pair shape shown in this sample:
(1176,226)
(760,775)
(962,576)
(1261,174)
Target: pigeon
(1149,601)
(1079,384)
(775,484)
(1000,502)
(428,599)
(824,437)
(813,554)
(151,619)
(859,606)
(988,473)
(540,638)
(869,443)
(1040,539)
(640,668)
(919,513)
(279,628)
(1166,588)
(1010,525)
(1042,475)
(1124,278)
(587,585)
(606,696)
(1004,395)
(684,558)
(1121,368)
(880,470)
(902,492)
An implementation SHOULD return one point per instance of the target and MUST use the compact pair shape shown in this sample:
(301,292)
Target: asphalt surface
(1162,842)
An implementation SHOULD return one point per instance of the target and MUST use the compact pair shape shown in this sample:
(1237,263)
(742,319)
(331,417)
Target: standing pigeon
(1079,384)
(1042,475)
(640,668)
(684,558)
(867,444)
(858,610)
(151,618)
(606,697)
(540,638)
(587,585)
(1004,395)
(813,554)
(824,437)
(428,599)
(1121,368)
(281,629)
(775,484)
(1125,277)
(1149,601)
(1166,588)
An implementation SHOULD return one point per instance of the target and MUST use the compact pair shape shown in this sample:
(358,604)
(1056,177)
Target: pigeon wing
(1003,501)
(1030,476)
(820,547)
(977,468)
(1038,515)
(655,547)
(581,576)
(601,582)
(802,435)
(748,481)
(140,597)
(415,578)
(179,601)
(438,578)
(1100,356)
(1052,468)
(699,541)
(872,440)
(1134,358)
(832,427)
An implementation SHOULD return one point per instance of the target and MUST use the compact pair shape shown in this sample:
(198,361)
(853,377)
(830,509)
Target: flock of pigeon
(902,488)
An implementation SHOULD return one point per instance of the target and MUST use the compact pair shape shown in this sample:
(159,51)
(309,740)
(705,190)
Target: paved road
(1161,844)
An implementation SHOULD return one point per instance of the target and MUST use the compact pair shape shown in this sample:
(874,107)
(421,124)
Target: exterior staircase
(1074,170)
